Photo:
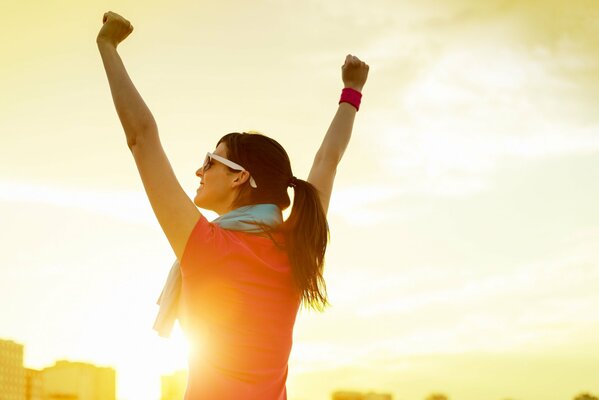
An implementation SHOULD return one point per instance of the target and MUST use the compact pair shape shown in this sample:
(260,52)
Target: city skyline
(464,220)
(68,380)
(172,384)
(51,381)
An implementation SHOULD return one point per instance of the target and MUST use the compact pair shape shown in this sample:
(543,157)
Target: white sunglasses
(228,163)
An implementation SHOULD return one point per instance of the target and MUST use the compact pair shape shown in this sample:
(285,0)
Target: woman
(244,275)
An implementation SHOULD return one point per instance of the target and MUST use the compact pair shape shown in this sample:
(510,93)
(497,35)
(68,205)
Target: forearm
(135,116)
(339,133)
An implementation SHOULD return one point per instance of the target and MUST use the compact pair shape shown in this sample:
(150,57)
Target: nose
(200,172)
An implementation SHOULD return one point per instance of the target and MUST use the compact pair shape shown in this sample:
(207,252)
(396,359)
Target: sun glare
(179,346)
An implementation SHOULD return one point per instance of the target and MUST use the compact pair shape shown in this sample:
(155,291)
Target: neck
(227,206)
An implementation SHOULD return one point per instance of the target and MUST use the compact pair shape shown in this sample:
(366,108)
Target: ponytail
(306,236)
(306,231)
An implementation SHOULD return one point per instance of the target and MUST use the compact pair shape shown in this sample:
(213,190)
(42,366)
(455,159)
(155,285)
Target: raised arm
(174,210)
(322,175)
(133,112)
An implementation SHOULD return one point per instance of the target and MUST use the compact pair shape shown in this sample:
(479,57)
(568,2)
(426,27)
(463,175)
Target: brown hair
(306,231)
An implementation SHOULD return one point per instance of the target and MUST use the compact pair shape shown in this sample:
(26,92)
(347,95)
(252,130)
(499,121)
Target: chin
(200,204)
(197,202)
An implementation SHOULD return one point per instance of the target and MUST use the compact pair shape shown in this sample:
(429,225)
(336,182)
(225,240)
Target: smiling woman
(238,281)
(219,168)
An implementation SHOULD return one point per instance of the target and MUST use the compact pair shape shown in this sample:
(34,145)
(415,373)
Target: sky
(464,253)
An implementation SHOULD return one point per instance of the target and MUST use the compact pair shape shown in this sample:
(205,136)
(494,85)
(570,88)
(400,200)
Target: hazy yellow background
(464,222)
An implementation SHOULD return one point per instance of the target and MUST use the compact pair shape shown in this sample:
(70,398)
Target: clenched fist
(354,72)
(114,29)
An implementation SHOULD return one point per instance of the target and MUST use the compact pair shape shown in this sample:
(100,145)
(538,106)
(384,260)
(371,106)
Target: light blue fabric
(241,219)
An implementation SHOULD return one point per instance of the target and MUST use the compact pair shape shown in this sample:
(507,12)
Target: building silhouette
(67,380)
(172,387)
(12,373)
(64,380)
(33,384)
(586,396)
(352,395)
(437,396)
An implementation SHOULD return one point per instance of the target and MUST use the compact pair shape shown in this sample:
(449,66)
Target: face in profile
(218,184)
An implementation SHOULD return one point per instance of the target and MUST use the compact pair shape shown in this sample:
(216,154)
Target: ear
(241,178)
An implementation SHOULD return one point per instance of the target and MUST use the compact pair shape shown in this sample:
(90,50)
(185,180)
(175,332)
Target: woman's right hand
(354,73)
(115,29)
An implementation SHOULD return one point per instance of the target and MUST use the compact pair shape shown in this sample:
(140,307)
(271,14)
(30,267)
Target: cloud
(548,302)
(129,206)
(126,205)
(562,277)
(469,87)
(360,204)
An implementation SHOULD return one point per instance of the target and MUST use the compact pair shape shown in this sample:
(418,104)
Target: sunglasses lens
(207,161)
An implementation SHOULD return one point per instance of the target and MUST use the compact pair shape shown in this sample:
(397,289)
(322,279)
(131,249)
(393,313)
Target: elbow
(327,161)
(328,157)
(146,133)
(131,141)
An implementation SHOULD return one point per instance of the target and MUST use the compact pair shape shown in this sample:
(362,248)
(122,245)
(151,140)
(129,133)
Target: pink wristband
(351,96)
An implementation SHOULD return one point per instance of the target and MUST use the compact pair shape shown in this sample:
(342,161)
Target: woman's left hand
(354,72)
(114,30)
